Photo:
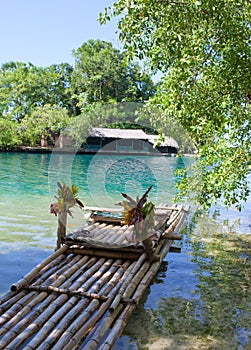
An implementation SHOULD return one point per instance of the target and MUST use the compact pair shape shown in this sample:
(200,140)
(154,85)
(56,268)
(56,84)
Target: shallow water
(200,298)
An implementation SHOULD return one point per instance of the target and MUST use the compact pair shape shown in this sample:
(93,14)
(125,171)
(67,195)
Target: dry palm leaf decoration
(67,198)
(140,214)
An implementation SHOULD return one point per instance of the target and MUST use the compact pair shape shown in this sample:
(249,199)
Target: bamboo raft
(82,295)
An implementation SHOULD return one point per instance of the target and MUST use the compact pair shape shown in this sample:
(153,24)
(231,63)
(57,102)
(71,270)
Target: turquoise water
(200,298)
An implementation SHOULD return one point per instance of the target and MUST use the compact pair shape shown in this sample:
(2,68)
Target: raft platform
(82,295)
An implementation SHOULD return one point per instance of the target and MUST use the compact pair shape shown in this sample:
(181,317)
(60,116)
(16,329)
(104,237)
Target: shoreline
(72,150)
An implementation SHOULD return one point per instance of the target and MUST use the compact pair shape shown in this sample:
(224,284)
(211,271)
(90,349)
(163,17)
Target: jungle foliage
(203,50)
(40,102)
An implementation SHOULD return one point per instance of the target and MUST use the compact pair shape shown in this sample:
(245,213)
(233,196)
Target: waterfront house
(134,141)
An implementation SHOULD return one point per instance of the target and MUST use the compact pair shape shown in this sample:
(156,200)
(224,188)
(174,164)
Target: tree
(122,115)
(203,49)
(152,116)
(14,83)
(9,135)
(102,75)
(23,87)
(61,88)
(43,123)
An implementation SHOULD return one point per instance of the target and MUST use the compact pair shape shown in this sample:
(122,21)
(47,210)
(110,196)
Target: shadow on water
(201,298)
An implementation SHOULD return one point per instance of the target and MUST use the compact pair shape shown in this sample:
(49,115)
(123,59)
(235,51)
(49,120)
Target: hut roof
(119,133)
(132,134)
(169,141)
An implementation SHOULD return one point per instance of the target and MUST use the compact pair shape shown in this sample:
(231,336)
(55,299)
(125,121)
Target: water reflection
(201,298)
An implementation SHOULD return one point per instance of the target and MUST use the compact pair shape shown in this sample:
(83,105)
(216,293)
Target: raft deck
(82,296)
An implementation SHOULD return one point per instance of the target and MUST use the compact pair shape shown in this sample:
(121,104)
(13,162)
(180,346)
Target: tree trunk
(43,141)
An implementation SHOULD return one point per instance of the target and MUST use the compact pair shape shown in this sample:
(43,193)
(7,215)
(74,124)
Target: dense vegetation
(203,49)
(38,102)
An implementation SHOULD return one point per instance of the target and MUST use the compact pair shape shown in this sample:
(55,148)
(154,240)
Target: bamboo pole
(69,315)
(106,277)
(45,322)
(174,225)
(5,298)
(119,210)
(15,308)
(66,338)
(127,280)
(112,315)
(87,319)
(105,210)
(90,227)
(172,237)
(137,278)
(59,309)
(25,280)
(121,322)
(106,253)
(100,331)
(20,298)
(118,325)
(120,236)
(106,265)
(38,322)
(9,299)
(111,288)
(17,305)
(61,232)
(97,234)
(75,310)
(110,220)
(58,264)
(106,238)
(179,215)
(115,332)
(51,289)
(37,314)
(19,322)
(70,265)
(103,233)
(147,278)
(61,306)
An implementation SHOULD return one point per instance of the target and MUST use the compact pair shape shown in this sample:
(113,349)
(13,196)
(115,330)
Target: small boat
(83,294)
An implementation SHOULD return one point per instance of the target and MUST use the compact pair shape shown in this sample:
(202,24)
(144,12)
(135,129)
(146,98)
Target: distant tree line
(38,102)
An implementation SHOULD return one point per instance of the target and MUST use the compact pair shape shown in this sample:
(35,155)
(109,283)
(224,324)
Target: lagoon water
(200,298)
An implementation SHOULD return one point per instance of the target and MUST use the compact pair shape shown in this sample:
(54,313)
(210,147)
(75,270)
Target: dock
(82,295)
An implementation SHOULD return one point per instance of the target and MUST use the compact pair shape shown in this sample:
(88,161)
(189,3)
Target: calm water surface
(200,299)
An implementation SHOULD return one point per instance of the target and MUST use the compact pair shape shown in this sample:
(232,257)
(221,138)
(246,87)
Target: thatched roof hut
(128,141)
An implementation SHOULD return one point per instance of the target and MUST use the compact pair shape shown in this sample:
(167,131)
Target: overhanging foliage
(203,50)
